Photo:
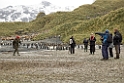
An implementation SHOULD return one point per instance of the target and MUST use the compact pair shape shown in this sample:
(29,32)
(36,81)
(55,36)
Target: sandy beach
(51,66)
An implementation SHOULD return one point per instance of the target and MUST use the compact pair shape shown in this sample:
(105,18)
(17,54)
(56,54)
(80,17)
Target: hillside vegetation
(101,15)
(11,28)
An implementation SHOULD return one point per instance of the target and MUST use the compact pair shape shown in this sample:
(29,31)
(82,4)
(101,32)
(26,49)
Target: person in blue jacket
(105,44)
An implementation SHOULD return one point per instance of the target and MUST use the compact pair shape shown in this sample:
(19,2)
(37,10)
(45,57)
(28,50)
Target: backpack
(109,39)
(74,43)
(120,37)
(85,41)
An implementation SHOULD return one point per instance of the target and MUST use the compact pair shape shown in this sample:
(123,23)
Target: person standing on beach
(111,46)
(92,41)
(85,42)
(72,45)
(105,44)
(117,41)
(16,43)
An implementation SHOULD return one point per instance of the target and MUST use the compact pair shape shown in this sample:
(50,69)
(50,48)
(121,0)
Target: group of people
(116,40)
(107,45)
(90,40)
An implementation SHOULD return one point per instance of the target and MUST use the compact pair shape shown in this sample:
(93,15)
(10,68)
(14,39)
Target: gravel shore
(50,66)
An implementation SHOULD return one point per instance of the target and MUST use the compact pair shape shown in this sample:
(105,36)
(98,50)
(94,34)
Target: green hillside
(11,28)
(101,15)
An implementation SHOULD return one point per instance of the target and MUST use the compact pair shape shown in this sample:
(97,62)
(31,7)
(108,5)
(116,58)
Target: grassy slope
(80,23)
(9,28)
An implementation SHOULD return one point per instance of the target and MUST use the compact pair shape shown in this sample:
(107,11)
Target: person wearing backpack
(85,42)
(111,46)
(105,44)
(117,41)
(72,44)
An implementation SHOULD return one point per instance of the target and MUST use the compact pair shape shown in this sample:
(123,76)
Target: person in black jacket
(16,43)
(111,46)
(117,39)
(72,45)
(92,41)
(85,42)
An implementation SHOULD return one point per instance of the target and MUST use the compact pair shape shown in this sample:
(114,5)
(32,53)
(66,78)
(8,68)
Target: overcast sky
(5,3)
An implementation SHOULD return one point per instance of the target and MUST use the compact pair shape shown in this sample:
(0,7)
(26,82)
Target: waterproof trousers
(105,51)
(117,50)
(92,49)
(16,50)
(111,52)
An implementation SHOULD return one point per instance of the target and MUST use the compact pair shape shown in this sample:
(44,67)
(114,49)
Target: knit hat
(17,37)
(106,31)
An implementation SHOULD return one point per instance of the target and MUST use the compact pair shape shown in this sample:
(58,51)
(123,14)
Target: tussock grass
(101,15)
